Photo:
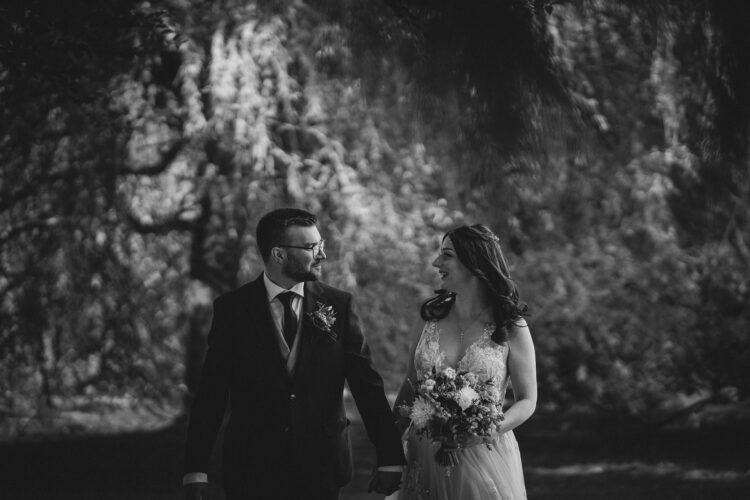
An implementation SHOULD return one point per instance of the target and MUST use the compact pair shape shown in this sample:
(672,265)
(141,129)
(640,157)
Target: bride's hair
(478,249)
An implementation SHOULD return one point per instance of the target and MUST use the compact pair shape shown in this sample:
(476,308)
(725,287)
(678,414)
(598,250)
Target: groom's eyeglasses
(316,248)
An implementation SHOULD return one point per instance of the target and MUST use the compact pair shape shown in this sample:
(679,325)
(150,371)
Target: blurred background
(606,143)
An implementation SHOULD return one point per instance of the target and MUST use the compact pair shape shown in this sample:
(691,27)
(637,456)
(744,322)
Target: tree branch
(12,232)
(691,408)
(11,282)
(160,166)
(173,223)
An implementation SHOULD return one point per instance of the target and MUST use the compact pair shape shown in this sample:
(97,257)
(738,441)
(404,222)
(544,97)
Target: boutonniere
(324,318)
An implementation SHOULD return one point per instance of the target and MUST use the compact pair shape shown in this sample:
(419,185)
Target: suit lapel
(313,296)
(309,332)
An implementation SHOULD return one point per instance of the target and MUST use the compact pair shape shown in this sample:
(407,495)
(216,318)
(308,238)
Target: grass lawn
(713,465)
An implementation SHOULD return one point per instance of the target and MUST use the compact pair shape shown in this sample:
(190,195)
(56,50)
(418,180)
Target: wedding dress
(483,473)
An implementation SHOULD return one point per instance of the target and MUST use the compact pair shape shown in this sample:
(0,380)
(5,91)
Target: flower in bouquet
(466,396)
(421,412)
(450,406)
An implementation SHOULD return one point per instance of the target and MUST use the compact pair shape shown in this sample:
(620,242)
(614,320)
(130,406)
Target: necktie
(290,320)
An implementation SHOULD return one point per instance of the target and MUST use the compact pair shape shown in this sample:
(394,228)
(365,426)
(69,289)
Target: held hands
(196,491)
(384,482)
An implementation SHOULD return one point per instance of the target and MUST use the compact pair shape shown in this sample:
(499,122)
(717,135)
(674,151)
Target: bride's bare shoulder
(519,334)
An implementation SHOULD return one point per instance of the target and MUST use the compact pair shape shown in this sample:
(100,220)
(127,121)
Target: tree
(66,328)
(585,133)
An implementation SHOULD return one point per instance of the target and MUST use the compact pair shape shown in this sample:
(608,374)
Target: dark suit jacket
(286,429)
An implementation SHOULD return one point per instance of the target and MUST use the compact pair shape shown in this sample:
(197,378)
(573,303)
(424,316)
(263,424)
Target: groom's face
(303,264)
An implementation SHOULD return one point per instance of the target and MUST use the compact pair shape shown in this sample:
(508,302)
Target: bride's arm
(522,366)
(406,393)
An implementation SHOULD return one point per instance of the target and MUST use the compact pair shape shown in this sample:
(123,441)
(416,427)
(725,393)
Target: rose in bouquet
(450,406)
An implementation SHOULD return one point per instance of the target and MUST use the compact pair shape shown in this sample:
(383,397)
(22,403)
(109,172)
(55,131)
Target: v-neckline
(461,356)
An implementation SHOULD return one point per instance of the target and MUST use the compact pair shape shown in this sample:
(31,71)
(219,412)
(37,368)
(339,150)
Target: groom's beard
(299,272)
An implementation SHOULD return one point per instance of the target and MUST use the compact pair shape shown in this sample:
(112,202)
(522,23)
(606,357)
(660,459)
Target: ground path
(713,465)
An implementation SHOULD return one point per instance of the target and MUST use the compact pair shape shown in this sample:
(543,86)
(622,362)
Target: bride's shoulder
(425,327)
(418,328)
(419,323)
(519,324)
(519,332)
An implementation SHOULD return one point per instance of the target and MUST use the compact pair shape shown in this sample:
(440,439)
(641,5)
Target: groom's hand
(196,491)
(385,482)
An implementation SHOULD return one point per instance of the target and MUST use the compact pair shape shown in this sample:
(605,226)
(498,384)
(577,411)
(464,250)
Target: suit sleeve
(367,388)
(207,411)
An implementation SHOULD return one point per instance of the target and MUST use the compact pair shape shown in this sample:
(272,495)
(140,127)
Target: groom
(279,351)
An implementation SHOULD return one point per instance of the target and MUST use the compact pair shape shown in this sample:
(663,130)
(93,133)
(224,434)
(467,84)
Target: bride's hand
(468,440)
(461,441)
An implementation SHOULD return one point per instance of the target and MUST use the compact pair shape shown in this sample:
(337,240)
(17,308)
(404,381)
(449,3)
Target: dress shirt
(277,308)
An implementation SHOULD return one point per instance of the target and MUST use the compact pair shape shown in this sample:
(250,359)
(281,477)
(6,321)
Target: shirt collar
(272,289)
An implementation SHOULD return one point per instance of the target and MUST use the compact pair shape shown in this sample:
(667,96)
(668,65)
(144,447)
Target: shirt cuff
(194,477)
(391,468)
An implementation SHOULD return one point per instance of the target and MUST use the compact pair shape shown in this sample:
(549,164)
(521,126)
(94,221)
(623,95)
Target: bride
(475,323)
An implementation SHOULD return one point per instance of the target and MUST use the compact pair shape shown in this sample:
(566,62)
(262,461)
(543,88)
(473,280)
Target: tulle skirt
(483,473)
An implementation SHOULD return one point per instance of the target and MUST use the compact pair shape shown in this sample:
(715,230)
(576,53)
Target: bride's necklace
(462,329)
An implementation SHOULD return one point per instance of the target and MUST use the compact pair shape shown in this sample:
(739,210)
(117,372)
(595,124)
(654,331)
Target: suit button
(292,396)
(286,429)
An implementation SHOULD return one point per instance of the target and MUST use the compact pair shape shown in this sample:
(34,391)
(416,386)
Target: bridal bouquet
(449,405)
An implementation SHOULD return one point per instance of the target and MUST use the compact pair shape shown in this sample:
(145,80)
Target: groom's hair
(272,227)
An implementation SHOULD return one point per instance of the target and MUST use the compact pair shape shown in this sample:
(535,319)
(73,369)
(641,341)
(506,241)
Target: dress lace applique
(486,358)
(413,485)
(483,357)
(428,352)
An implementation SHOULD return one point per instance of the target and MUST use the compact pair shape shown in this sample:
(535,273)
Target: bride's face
(453,274)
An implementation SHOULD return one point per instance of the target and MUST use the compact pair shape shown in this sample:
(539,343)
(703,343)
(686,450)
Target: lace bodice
(483,357)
